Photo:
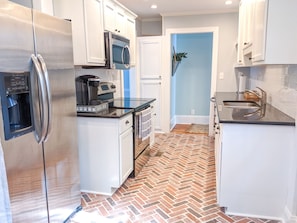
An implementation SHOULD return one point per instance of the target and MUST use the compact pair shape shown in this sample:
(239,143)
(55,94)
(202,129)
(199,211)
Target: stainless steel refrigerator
(38,115)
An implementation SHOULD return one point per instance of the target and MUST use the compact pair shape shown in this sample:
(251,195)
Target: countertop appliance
(38,127)
(117,51)
(86,94)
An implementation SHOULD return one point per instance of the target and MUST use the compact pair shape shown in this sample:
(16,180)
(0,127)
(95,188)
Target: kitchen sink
(241,104)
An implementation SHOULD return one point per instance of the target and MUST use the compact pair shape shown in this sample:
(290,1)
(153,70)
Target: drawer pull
(127,122)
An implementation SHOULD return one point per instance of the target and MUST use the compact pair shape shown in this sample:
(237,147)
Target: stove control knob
(112,86)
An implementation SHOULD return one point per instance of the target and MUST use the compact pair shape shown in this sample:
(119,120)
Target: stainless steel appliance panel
(54,43)
(23,156)
(42,177)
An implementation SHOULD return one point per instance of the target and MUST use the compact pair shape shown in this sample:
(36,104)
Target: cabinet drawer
(125,123)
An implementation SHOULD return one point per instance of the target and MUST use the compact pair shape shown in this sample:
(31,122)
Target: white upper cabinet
(116,18)
(87,29)
(131,35)
(266,35)
(109,16)
(245,30)
(260,23)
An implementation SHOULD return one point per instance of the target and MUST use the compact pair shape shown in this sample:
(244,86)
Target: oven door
(142,129)
(120,55)
(139,143)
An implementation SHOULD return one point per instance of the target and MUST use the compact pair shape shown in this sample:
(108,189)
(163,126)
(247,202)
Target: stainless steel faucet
(263,100)
(263,97)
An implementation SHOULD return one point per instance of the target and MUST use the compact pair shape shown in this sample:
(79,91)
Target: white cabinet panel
(105,153)
(149,68)
(254,168)
(260,24)
(126,155)
(87,29)
(150,57)
(94,31)
(265,26)
(131,35)
(115,18)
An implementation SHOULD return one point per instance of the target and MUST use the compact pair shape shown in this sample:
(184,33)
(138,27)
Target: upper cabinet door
(150,57)
(270,38)
(114,18)
(94,31)
(260,23)
(131,35)
(87,29)
(109,16)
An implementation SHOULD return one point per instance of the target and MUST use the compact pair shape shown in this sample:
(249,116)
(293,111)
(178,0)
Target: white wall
(151,27)
(227,24)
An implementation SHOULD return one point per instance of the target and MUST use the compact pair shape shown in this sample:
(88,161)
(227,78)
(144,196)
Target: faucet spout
(263,96)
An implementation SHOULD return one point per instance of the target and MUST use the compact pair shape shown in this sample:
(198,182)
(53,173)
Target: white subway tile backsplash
(280,83)
(109,75)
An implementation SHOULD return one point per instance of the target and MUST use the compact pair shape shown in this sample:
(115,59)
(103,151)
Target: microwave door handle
(123,55)
(39,128)
(48,112)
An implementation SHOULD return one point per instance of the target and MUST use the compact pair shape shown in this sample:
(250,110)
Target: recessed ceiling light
(154,6)
(228,2)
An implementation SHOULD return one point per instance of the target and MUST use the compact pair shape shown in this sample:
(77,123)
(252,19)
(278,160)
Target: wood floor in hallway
(177,185)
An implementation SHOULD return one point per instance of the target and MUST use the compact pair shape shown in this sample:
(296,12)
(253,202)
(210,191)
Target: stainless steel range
(116,108)
(142,115)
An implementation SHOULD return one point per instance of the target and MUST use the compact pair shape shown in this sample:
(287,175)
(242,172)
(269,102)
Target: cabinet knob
(127,122)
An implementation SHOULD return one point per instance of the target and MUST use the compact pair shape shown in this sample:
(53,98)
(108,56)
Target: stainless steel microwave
(117,51)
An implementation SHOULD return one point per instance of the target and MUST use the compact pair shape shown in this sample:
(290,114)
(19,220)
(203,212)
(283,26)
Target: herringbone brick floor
(176,185)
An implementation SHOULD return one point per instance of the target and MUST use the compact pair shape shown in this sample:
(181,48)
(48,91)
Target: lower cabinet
(253,168)
(105,153)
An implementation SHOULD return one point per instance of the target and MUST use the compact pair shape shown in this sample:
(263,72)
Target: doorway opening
(191,82)
(212,33)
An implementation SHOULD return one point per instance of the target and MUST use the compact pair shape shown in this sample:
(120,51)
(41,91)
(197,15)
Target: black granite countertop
(109,113)
(133,103)
(272,115)
(120,107)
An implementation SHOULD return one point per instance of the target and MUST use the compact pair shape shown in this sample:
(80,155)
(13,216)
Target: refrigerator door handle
(39,130)
(49,99)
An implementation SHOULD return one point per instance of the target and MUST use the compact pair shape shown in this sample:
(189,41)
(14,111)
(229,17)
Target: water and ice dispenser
(15,103)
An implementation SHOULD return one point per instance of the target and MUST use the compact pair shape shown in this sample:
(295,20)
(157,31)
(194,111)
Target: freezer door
(54,44)
(22,155)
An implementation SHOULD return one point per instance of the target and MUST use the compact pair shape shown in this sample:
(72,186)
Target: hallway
(176,185)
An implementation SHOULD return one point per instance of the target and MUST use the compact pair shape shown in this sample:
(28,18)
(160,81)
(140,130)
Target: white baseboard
(289,218)
(254,216)
(191,119)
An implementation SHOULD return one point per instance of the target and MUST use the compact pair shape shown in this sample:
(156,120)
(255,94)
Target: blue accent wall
(192,79)
(126,83)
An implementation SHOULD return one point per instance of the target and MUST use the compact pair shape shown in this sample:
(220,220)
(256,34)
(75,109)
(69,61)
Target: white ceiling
(177,7)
